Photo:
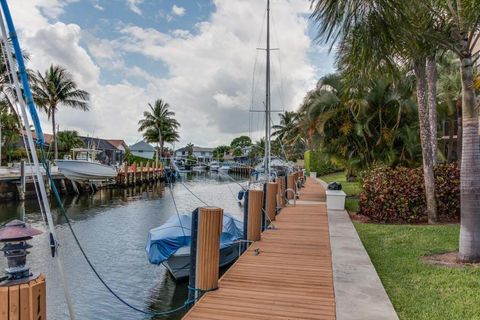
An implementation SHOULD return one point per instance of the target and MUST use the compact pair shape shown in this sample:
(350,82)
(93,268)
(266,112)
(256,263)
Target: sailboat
(169,244)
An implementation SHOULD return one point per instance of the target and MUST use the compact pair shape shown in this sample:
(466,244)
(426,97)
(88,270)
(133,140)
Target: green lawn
(418,290)
(352,189)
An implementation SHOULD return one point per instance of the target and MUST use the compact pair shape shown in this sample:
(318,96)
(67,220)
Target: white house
(143,150)
(200,153)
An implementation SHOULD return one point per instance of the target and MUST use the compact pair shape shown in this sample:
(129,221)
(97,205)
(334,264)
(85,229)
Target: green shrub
(396,195)
(314,162)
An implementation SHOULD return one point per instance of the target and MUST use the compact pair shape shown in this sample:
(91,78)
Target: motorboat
(225,167)
(199,167)
(278,167)
(169,244)
(83,167)
(214,166)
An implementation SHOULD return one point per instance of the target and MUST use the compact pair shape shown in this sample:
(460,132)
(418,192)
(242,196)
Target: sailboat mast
(267,100)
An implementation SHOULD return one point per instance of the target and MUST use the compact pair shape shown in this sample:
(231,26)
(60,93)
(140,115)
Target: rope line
(89,262)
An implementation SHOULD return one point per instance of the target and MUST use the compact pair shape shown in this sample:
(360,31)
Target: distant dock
(286,275)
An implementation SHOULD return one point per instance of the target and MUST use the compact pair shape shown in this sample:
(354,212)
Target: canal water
(112,226)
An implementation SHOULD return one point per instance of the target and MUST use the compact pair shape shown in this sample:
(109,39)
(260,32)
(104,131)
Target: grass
(418,290)
(352,189)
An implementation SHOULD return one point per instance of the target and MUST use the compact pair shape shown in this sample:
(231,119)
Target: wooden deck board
(291,277)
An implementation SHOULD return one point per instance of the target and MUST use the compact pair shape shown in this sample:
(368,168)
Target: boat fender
(241,193)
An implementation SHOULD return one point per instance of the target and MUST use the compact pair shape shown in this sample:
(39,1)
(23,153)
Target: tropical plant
(241,142)
(9,132)
(69,139)
(219,151)
(374,37)
(159,125)
(54,88)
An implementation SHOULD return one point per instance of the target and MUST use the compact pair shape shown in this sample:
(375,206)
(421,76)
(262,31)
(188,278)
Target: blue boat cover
(165,240)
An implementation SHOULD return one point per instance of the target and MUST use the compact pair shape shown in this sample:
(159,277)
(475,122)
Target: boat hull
(179,264)
(86,171)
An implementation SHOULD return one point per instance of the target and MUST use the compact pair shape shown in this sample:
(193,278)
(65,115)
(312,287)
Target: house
(119,144)
(109,153)
(202,154)
(143,150)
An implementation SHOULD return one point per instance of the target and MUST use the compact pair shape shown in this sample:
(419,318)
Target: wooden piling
(281,191)
(148,170)
(134,173)
(290,185)
(206,229)
(24,301)
(271,200)
(255,205)
(141,171)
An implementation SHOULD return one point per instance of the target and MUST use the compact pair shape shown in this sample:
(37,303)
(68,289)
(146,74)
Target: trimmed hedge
(314,162)
(396,195)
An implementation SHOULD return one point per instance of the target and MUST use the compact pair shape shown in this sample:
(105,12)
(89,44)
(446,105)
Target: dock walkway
(286,275)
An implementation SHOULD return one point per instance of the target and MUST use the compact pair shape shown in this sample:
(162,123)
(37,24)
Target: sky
(203,57)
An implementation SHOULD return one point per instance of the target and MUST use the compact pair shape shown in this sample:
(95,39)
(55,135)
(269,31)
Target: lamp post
(14,235)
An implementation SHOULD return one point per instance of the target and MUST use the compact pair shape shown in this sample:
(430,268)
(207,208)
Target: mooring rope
(89,262)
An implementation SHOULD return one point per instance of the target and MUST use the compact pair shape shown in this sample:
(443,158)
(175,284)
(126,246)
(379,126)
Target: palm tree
(68,139)
(158,125)
(375,36)
(55,88)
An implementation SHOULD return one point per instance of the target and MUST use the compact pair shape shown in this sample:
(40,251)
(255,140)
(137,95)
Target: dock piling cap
(17,230)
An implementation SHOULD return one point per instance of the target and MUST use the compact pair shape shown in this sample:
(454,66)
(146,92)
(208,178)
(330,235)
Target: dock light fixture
(14,235)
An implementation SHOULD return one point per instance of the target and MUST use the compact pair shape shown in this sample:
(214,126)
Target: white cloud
(96,5)
(133,5)
(178,11)
(209,77)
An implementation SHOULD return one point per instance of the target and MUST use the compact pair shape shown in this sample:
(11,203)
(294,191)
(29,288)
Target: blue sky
(199,56)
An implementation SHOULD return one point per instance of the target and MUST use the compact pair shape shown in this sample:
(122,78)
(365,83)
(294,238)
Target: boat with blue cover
(169,244)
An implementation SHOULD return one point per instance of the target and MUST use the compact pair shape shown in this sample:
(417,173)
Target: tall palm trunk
(54,133)
(470,168)
(432,77)
(459,131)
(425,140)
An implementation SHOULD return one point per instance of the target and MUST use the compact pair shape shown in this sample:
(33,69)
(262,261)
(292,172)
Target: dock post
(148,170)
(253,223)
(271,200)
(125,172)
(290,185)
(22,186)
(25,300)
(134,173)
(206,230)
(156,170)
(141,171)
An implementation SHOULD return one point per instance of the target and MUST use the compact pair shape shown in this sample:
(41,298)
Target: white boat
(200,167)
(214,166)
(225,167)
(83,168)
(169,244)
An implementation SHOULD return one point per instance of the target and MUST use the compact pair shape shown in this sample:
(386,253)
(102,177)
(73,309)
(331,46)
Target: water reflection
(112,226)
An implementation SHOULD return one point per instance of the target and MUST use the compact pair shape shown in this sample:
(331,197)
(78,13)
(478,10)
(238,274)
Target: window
(202,153)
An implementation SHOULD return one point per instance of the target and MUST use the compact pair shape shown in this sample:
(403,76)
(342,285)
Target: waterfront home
(143,150)
(203,155)
(109,153)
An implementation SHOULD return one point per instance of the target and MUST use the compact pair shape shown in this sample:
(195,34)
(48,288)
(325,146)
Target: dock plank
(290,278)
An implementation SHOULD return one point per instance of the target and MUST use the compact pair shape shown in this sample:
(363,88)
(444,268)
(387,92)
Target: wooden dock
(286,275)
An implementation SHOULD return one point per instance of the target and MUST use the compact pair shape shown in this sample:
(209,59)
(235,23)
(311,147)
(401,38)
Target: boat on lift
(83,167)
